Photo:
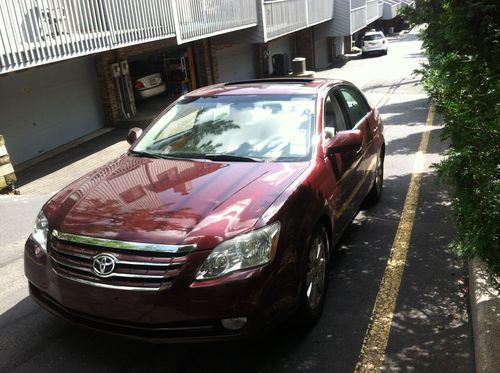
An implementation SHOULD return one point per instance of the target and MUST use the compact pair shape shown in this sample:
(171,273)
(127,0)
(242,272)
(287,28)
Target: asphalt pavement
(430,329)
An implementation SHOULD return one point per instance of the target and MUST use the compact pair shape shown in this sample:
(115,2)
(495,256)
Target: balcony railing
(203,18)
(371,10)
(34,32)
(319,11)
(358,19)
(284,16)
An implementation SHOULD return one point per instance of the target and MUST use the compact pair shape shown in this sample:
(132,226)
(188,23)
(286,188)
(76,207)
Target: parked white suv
(374,42)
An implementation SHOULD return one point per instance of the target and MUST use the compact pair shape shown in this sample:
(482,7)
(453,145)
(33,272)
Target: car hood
(170,201)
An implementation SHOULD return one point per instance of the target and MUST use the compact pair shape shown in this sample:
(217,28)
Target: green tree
(462,76)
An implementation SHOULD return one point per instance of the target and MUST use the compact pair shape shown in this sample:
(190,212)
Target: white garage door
(49,106)
(236,63)
(321,49)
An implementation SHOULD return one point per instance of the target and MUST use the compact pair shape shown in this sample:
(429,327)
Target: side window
(333,114)
(356,104)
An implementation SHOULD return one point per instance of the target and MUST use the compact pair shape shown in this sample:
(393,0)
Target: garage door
(321,50)
(48,106)
(236,63)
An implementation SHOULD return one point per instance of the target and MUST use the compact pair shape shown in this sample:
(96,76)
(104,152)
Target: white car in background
(146,80)
(374,42)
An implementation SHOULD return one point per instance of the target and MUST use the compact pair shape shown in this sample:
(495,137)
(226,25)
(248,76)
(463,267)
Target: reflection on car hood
(170,201)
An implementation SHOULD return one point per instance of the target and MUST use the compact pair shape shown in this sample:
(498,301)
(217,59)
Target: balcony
(285,16)
(391,9)
(199,19)
(319,11)
(35,32)
(371,11)
(358,19)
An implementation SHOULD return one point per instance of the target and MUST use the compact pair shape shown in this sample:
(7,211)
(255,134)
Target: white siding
(46,107)
(340,25)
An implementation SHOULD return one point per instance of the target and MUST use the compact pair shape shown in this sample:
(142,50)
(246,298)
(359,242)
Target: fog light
(236,323)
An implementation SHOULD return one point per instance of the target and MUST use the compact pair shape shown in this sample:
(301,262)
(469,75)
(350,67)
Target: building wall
(340,25)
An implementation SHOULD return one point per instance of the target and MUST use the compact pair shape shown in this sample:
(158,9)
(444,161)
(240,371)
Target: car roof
(270,86)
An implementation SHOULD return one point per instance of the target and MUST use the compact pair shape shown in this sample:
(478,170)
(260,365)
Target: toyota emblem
(104,265)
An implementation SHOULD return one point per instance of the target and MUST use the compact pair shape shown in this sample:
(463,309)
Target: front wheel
(315,279)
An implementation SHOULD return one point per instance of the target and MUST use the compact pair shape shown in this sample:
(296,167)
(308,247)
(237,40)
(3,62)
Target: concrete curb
(485,312)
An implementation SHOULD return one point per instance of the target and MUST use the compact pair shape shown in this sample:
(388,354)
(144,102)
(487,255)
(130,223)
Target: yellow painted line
(374,345)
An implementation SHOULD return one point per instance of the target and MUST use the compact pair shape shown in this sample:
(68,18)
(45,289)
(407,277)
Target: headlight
(40,230)
(248,250)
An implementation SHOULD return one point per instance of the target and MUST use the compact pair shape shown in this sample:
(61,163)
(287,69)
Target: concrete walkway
(53,174)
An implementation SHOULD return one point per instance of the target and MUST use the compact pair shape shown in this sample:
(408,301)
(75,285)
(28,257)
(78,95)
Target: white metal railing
(33,32)
(358,19)
(203,18)
(371,10)
(284,16)
(319,11)
(357,3)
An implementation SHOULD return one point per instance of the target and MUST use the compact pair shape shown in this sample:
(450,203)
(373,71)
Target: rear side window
(373,37)
(357,107)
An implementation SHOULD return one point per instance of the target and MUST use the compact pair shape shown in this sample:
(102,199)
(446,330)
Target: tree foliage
(462,76)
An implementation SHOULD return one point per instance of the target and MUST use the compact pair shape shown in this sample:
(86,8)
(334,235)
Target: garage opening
(154,81)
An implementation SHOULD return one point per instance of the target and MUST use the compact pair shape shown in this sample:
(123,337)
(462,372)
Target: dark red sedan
(221,218)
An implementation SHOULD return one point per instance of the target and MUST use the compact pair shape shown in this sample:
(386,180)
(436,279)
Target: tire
(315,279)
(375,192)
(363,55)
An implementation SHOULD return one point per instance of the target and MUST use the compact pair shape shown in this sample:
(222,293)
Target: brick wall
(304,46)
(109,95)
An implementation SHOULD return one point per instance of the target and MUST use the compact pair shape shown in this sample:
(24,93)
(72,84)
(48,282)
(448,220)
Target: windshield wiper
(231,157)
(140,153)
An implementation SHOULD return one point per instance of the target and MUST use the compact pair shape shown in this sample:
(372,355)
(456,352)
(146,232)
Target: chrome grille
(72,258)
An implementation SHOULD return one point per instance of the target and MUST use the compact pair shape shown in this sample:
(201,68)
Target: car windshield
(373,37)
(234,127)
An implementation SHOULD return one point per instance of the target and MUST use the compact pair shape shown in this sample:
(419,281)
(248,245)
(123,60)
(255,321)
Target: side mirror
(133,135)
(346,141)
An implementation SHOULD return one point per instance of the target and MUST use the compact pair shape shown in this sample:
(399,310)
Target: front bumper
(186,311)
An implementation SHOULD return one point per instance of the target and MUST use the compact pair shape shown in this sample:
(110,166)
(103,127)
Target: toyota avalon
(220,219)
